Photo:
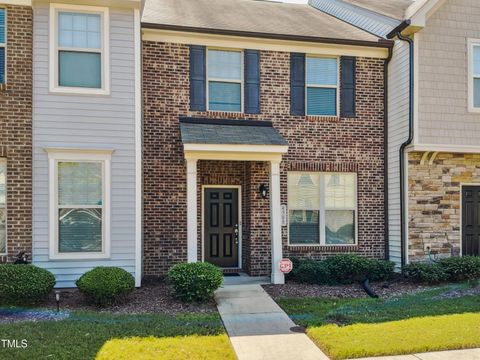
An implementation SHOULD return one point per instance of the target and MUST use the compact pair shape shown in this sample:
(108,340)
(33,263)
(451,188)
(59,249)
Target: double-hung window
(321,86)
(3,41)
(3,206)
(322,208)
(79,62)
(224,80)
(79,205)
(474,75)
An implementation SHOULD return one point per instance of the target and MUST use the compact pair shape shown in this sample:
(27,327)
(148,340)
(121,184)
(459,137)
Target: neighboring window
(3,207)
(80,214)
(474,81)
(80,57)
(321,86)
(322,208)
(224,80)
(3,41)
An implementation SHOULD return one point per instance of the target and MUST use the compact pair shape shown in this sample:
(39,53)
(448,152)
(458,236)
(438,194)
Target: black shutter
(197,78)
(252,81)
(297,84)
(347,86)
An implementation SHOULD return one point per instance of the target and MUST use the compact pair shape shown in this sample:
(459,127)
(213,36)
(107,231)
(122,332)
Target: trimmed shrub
(425,272)
(461,268)
(313,272)
(195,281)
(348,268)
(381,270)
(104,286)
(24,284)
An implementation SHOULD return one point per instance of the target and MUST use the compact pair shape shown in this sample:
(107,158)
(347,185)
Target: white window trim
(3,161)
(4,45)
(472,43)
(337,87)
(241,81)
(55,156)
(104,50)
(323,209)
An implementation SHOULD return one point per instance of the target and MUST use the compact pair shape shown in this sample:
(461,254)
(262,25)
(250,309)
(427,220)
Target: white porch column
(276,222)
(192,210)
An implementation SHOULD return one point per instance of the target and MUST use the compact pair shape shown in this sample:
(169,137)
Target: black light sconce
(263,191)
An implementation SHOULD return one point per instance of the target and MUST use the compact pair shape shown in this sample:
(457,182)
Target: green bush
(425,272)
(313,272)
(24,284)
(380,270)
(105,286)
(461,268)
(348,268)
(195,281)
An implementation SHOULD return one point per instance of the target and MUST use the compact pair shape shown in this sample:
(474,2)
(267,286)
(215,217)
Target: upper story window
(474,75)
(224,80)
(321,86)
(3,41)
(79,58)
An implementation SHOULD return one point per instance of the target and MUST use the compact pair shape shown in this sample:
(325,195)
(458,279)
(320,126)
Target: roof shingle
(252,17)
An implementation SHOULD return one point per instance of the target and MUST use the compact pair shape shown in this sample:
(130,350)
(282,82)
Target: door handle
(236,231)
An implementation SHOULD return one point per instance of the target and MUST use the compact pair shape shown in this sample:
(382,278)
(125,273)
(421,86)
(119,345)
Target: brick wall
(434,216)
(16,130)
(316,144)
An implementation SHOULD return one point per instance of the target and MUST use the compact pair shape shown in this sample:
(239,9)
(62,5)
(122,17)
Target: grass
(83,334)
(350,328)
(178,348)
(415,335)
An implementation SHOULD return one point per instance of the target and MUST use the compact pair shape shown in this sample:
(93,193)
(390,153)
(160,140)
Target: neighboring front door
(471,220)
(221,226)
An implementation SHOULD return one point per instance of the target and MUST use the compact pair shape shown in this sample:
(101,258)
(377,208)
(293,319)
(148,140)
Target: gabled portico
(233,140)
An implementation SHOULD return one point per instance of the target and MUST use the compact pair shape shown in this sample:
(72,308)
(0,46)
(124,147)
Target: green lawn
(349,328)
(85,333)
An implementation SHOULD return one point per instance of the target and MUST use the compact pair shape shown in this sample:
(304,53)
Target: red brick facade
(315,144)
(16,130)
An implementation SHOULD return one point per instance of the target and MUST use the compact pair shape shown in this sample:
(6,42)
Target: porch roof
(229,132)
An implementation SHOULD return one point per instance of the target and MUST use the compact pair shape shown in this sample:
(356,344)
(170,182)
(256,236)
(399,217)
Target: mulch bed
(292,290)
(152,297)
(474,291)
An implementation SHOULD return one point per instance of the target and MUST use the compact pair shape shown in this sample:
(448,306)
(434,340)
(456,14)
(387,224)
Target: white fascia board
(421,10)
(444,148)
(243,42)
(16,2)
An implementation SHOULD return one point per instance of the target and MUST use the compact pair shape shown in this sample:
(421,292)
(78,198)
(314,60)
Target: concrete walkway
(259,329)
(469,354)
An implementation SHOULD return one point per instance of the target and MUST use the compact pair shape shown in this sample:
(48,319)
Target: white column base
(192,211)
(276,223)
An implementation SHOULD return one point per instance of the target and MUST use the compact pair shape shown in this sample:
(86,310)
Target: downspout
(398,33)
(385,144)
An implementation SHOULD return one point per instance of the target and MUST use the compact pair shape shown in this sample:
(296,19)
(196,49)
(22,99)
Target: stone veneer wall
(16,130)
(316,144)
(434,202)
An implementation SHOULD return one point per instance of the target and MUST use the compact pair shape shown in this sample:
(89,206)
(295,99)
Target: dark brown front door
(221,226)
(471,220)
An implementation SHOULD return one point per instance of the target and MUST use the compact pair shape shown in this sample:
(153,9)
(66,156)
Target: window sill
(323,118)
(3,87)
(324,248)
(79,256)
(79,91)
(221,114)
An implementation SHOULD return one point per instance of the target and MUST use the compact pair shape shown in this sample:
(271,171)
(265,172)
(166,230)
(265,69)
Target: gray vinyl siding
(370,21)
(398,112)
(89,122)
(443,117)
